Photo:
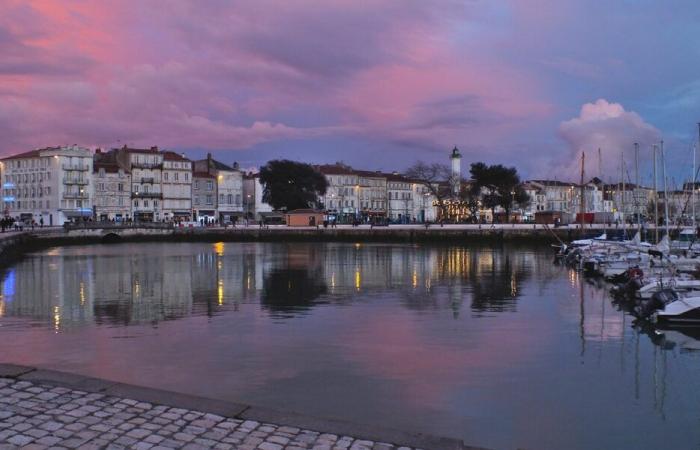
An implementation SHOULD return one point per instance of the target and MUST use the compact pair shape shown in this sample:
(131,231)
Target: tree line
(289,185)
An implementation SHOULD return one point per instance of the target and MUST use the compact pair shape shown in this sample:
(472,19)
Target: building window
(120,187)
(221,198)
(187,177)
(145,203)
(210,185)
(176,177)
(155,203)
(196,200)
(230,199)
(210,200)
(165,176)
(136,203)
(196,184)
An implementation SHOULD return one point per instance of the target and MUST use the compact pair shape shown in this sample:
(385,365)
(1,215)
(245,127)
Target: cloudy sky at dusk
(378,84)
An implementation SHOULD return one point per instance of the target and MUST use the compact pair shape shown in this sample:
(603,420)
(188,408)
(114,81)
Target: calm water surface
(497,346)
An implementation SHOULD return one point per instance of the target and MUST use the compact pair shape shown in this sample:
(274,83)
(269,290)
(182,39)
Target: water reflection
(446,340)
(68,287)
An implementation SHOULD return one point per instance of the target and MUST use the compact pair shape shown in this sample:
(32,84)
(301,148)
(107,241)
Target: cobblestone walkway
(36,416)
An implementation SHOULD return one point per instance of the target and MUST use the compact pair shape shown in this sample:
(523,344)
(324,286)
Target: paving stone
(35,416)
(269,446)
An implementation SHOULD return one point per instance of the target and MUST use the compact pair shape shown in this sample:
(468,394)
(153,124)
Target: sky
(377,84)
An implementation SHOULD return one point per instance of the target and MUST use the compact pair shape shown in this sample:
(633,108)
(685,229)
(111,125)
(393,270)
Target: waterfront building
(558,195)
(630,201)
(204,196)
(111,188)
(176,187)
(49,185)
(372,195)
(146,168)
(253,205)
(424,209)
(538,201)
(229,182)
(400,198)
(342,197)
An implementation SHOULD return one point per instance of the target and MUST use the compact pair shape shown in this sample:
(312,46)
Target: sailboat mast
(622,202)
(636,187)
(582,207)
(656,201)
(663,170)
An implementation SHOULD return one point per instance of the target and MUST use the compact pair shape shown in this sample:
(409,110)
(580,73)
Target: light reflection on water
(494,345)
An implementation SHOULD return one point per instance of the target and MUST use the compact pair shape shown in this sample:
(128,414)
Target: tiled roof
(30,154)
(172,156)
(304,211)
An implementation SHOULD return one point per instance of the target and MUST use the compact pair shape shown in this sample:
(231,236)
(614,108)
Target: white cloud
(609,127)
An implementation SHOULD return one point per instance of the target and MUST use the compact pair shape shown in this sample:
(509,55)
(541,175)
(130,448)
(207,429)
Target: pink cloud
(222,76)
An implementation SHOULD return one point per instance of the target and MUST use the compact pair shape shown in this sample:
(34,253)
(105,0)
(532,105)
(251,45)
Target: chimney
(98,150)
(235,165)
(154,148)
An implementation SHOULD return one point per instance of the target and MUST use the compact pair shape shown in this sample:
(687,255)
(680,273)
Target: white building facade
(253,205)
(342,197)
(49,186)
(400,198)
(176,187)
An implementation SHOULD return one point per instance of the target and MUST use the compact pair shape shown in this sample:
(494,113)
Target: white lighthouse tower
(456,176)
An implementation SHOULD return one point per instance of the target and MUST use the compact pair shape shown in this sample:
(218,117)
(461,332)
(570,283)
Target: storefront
(143,216)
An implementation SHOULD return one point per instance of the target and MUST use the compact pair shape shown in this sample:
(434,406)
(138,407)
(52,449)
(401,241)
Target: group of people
(8,223)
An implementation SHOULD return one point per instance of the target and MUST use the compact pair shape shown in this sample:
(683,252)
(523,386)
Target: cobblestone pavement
(36,416)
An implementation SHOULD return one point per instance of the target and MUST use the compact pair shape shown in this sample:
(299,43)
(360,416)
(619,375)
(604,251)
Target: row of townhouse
(58,184)
(558,196)
(361,195)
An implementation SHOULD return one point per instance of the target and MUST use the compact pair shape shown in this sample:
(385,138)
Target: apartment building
(111,186)
(373,194)
(146,168)
(49,185)
(229,186)
(342,198)
(204,194)
(400,198)
(176,187)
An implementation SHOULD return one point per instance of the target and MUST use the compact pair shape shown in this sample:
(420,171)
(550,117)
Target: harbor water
(496,345)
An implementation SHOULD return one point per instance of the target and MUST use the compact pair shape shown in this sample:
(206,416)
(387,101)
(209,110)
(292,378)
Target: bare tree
(430,176)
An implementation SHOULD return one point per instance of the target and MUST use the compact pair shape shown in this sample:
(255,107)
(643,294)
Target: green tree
(498,186)
(291,185)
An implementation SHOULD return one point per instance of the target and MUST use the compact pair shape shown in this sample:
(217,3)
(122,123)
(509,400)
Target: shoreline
(230,410)
(15,244)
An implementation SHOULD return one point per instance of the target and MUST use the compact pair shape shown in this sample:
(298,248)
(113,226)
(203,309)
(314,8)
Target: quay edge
(228,409)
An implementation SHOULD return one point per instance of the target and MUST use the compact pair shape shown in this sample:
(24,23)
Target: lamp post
(512,202)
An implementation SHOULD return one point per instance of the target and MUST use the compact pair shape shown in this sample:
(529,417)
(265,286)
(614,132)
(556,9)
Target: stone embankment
(14,244)
(41,409)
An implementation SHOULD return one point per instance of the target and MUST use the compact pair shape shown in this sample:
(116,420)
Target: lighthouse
(456,176)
